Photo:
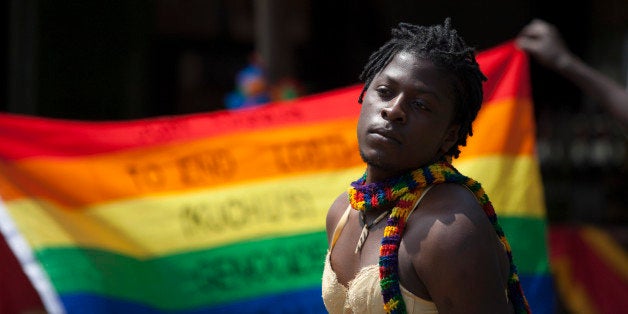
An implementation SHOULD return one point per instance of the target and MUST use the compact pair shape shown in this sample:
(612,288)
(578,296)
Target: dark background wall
(120,59)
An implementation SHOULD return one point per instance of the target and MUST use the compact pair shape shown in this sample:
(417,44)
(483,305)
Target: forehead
(420,71)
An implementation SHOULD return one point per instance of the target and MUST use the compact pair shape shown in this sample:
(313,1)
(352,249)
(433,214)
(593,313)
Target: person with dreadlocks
(414,235)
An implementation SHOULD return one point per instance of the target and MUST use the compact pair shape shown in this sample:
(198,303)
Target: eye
(421,104)
(383,92)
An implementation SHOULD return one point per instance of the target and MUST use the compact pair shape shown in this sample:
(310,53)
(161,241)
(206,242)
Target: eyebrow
(420,90)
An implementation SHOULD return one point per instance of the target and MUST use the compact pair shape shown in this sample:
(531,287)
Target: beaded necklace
(403,192)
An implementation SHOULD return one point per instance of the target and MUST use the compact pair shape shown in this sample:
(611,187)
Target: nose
(394,111)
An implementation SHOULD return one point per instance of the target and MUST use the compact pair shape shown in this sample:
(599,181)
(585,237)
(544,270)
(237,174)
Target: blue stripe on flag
(308,301)
(540,292)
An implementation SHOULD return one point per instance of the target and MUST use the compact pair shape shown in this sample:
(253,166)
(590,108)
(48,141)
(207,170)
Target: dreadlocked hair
(441,45)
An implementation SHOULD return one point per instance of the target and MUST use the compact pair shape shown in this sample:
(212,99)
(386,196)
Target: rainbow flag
(501,155)
(225,212)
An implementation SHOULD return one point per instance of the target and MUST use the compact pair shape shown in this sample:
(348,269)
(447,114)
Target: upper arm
(459,261)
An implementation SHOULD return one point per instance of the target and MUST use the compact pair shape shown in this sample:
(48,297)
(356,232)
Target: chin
(377,160)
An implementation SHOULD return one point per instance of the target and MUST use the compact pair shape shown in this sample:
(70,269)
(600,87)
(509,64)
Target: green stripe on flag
(234,272)
(193,279)
(528,240)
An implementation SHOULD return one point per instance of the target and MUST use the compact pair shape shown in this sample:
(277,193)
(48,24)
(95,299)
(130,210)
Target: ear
(450,138)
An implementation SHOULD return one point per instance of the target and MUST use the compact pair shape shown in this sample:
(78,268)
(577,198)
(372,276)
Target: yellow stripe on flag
(507,179)
(154,226)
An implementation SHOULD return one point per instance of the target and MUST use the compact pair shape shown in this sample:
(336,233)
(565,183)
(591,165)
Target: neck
(376,173)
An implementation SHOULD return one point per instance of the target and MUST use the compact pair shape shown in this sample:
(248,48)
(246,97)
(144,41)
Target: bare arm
(544,42)
(460,261)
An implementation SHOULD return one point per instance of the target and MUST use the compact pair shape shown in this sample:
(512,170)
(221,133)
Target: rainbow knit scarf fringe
(403,191)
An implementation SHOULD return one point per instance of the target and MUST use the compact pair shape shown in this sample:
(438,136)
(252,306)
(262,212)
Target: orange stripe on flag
(502,128)
(218,161)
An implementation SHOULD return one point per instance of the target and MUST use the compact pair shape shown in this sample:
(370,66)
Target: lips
(385,134)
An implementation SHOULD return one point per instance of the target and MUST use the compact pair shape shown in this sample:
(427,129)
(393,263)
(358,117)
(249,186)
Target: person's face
(406,115)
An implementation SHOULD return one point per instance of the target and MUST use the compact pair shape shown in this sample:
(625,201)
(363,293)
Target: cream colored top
(363,295)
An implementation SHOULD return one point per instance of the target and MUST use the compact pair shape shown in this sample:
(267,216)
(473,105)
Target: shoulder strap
(341,224)
(343,220)
(419,200)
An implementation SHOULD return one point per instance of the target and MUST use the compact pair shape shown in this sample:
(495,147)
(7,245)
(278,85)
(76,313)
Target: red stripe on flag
(506,68)
(24,136)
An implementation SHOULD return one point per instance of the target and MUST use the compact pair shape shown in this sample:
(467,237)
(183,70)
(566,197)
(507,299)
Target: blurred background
(117,60)
(121,60)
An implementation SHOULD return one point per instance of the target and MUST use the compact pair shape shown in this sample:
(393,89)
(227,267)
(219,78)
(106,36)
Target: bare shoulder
(452,222)
(449,211)
(334,213)
(451,241)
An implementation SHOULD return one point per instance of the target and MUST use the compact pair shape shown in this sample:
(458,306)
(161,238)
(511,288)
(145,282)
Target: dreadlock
(445,48)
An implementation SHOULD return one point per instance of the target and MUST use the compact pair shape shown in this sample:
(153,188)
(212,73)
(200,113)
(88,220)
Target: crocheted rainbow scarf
(403,191)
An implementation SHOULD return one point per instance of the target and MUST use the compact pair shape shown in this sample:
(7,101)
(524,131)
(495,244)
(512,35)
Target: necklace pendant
(363,235)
